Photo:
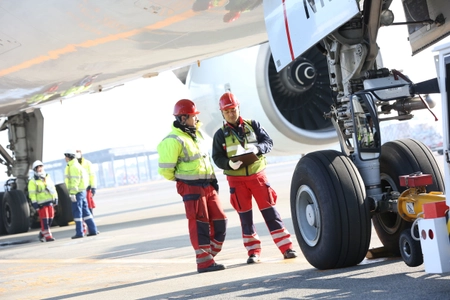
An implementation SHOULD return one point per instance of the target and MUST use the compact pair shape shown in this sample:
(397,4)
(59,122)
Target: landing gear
(402,157)
(331,218)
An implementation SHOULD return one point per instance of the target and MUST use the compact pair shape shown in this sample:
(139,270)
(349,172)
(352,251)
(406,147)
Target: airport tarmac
(143,252)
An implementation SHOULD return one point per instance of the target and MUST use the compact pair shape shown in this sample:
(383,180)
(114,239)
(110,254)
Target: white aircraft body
(309,71)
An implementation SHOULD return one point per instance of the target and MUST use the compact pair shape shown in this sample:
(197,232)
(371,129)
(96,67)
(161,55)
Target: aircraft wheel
(63,213)
(330,217)
(15,212)
(410,249)
(402,157)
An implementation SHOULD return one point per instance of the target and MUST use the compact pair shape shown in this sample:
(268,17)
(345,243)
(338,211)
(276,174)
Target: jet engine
(289,104)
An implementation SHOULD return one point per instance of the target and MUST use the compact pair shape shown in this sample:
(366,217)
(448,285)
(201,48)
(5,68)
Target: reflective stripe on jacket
(74,177)
(232,143)
(182,157)
(40,191)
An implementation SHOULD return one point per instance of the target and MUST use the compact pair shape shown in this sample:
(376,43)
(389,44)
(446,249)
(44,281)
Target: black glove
(88,188)
(93,190)
(215,185)
(35,206)
(55,201)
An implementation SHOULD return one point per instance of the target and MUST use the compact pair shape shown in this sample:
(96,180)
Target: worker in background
(236,7)
(250,180)
(76,185)
(42,193)
(184,158)
(91,188)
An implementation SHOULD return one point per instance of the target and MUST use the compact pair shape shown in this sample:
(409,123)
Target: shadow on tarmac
(349,283)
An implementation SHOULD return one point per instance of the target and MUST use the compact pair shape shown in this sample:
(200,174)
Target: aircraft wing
(58,49)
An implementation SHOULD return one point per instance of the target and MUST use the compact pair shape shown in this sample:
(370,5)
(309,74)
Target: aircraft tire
(63,213)
(410,249)
(15,212)
(402,157)
(2,226)
(331,219)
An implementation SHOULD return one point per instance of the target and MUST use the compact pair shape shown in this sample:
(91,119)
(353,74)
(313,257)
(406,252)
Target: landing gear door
(443,72)
(435,24)
(295,26)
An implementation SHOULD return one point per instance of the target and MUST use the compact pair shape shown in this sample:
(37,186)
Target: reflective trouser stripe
(242,189)
(80,212)
(252,243)
(282,239)
(218,230)
(280,235)
(206,219)
(46,214)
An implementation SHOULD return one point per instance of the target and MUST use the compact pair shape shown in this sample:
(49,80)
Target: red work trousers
(242,188)
(90,199)
(206,219)
(46,214)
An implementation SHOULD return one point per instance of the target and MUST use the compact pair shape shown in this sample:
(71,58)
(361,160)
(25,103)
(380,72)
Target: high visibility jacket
(40,191)
(87,166)
(75,177)
(182,157)
(231,145)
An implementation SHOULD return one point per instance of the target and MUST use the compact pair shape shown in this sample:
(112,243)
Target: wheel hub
(310,216)
(309,226)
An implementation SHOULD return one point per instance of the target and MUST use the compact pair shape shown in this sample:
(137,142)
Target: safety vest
(41,192)
(180,157)
(232,143)
(75,177)
(87,166)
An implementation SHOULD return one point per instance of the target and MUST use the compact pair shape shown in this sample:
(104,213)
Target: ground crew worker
(250,180)
(76,185)
(91,188)
(184,158)
(42,193)
(236,7)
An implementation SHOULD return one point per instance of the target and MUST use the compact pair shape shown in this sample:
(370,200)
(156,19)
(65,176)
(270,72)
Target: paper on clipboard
(246,158)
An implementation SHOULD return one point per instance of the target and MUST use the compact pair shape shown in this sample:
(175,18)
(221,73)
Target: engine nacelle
(290,104)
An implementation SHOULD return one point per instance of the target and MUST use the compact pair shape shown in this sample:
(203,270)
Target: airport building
(114,166)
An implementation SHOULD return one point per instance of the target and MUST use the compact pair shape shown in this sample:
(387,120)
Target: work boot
(77,237)
(91,234)
(211,268)
(41,237)
(50,239)
(290,253)
(253,258)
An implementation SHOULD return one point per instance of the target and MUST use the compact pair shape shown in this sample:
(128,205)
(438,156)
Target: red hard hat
(228,101)
(185,107)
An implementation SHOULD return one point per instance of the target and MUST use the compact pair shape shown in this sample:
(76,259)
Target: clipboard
(246,158)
